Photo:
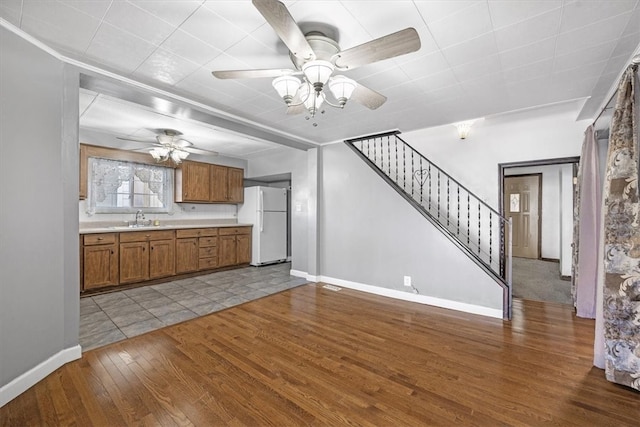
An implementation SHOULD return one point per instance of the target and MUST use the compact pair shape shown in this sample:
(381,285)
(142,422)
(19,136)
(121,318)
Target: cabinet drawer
(208,241)
(196,232)
(208,251)
(206,263)
(144,236)
(100,239)
(230,231)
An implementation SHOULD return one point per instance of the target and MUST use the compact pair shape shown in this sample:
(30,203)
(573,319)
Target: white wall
(39,255)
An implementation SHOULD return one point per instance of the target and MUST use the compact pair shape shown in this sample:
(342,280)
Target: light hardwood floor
(311,356)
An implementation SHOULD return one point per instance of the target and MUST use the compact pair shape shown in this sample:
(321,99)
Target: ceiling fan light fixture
(318,72)
(159,153)
(178,155)
(286,86)
(341,88)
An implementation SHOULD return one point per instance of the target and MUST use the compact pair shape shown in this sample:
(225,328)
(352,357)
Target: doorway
(522,196)
(545,277)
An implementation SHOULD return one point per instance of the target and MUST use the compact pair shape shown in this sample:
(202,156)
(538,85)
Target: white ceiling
(478,58)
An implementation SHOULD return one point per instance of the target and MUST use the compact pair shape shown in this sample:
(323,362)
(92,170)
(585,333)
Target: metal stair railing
(475,227)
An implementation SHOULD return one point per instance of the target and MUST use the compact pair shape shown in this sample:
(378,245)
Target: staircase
(471,224)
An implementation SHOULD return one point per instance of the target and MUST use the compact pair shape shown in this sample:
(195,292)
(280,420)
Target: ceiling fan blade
(252,74)
(277,15)
(367,97)
(389,46)
(201,151)
(146,141)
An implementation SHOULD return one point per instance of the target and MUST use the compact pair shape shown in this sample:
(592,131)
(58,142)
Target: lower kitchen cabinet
(134,262)
(162,258)
(99,261)
(235,246)
(110,259)
(186,255)
(146,255)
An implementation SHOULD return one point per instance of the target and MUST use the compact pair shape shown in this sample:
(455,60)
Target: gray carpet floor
(540,280)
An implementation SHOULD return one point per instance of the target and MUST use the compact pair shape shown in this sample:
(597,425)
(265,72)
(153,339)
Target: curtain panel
(621,216)
(586,228)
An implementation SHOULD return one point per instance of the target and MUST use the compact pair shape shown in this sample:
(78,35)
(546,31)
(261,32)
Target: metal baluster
(396,147)
(448,206)
(389,155)
(502,257)
(412,173)
(404,168)
(421,183)
(438,194)
(458,191)
(430,187)
(490,235)
(381,156)
(468,220)
(479,226)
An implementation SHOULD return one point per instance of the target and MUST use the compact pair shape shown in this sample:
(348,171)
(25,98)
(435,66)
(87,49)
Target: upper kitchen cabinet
(193,183)
(206,183)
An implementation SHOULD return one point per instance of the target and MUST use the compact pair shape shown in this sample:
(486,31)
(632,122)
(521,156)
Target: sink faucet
(139,215)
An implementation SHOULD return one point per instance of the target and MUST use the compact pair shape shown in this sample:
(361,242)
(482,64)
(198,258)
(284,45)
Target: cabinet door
(100,266)
(162,258)
(134,262)
(243,248)
(227,251)
(195,182)
(236,185)
(219,184)
(186,255)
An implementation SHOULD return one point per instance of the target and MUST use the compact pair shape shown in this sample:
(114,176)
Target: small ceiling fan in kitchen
(316,59)
(170,145)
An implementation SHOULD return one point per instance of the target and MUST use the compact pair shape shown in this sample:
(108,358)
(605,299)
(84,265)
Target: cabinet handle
(100,238)
(112,253)
(143,249)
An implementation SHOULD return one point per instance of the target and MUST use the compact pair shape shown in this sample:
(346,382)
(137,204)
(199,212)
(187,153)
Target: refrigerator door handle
(261,207)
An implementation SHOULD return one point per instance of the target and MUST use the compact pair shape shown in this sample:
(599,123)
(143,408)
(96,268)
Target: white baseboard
(305,275)
(422,299)
(27,380)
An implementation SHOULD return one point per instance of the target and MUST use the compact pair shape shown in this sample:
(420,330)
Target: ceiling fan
(316,57)
(170,145)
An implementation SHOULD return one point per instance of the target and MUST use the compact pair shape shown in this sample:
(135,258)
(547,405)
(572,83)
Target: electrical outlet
(407,281)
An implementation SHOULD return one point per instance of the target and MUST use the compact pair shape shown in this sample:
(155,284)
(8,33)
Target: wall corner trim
(30,378)
(411,297)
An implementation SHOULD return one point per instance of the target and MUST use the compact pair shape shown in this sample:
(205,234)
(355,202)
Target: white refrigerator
(266,209)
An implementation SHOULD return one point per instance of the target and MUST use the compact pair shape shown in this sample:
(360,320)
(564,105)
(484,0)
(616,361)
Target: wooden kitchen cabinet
(219,183)
(193,182)
(235,246)
(236,185)
(139,262)
(109,259)
(99,260)
(162,258)
(206,183)
(134,262)
(186,255)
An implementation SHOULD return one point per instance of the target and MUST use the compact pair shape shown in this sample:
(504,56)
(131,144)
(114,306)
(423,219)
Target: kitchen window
(117,186)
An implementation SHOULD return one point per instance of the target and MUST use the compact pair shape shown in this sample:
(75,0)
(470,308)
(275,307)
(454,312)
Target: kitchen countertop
(121,227)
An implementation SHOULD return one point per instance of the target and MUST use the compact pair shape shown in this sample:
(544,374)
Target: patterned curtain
(586,228)
(621,296)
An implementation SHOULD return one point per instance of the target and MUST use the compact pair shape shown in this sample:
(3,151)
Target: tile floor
(119,315)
